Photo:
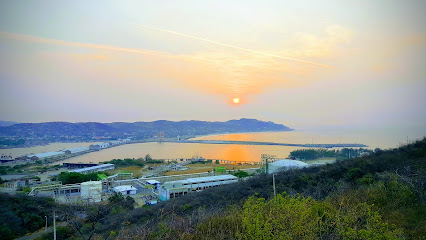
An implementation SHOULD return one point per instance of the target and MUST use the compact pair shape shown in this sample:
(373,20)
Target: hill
(382,196)
(65,131)
(379,196)
(6,123)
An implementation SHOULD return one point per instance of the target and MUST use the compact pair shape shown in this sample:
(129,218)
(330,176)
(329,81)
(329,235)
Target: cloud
(238,48)
(232,73)
(334,44)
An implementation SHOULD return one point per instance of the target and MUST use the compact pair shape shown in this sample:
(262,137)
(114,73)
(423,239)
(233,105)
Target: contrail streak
(29,38)
(235,47)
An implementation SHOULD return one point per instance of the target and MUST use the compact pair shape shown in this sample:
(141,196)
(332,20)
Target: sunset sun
(236,100)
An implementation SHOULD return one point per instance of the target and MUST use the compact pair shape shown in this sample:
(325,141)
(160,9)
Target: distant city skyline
(299,63)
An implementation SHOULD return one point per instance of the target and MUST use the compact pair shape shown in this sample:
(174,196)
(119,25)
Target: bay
(383,138)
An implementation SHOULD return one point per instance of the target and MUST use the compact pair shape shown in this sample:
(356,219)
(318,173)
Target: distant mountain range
(65,131)
(6,123)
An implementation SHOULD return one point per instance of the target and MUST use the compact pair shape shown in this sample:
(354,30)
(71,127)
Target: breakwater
(328,145)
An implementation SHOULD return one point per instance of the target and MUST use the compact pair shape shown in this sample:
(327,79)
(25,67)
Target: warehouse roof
(46,154)
(124,188)
(211,179)
(94,168)
(76,150)
(153,182)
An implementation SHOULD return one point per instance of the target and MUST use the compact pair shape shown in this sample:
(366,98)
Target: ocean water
(385,138)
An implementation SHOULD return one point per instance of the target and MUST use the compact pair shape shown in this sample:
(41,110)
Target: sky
(329,63)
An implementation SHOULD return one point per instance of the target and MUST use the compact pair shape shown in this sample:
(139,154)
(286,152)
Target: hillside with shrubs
(378,196)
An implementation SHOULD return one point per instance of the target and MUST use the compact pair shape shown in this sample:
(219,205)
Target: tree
(148,158)
(118,200)
(240,174)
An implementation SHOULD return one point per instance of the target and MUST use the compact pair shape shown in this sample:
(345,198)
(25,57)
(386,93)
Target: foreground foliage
(345,153)
(379,196)
(22,214)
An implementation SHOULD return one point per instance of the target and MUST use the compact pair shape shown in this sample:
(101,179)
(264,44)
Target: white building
(125,190)
(285,164)
(181,187)
(104,145)
(91,191)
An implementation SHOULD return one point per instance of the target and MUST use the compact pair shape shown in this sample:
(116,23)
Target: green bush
(73,177)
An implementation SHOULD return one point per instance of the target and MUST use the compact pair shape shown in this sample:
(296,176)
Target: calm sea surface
(374,139)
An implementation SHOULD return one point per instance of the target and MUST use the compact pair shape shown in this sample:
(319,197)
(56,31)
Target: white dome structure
(285,164)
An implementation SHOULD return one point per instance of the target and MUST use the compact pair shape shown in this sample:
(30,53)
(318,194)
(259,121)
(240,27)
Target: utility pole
(46,223)
(273,184)
(54,225)
(266,166)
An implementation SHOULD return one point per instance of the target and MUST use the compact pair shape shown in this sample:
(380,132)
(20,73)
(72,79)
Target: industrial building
(75,150)
(79,165)
(44,155)
(91,191)
(175,188)
(285,164)
(125,190)
(99,146)
(97,168)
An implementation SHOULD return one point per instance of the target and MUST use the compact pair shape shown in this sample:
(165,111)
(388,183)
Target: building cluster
(148,189)
(181,187)
(99,146)
(6,158)
(45,155)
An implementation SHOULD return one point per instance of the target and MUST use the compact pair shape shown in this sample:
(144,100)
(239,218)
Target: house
(75,150)
(154,183)
(125,190)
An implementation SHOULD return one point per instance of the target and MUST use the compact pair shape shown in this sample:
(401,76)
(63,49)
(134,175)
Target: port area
(39,180)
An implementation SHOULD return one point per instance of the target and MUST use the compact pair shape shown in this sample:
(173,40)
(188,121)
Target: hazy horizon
(304,64)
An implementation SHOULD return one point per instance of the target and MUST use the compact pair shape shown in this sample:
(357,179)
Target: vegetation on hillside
(65,131)
(11,142)
(379,196)
(22,214)
(382,194)
(345,153)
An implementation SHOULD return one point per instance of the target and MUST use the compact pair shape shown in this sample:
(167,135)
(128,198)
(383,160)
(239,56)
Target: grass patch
(136,170)
(198,168)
